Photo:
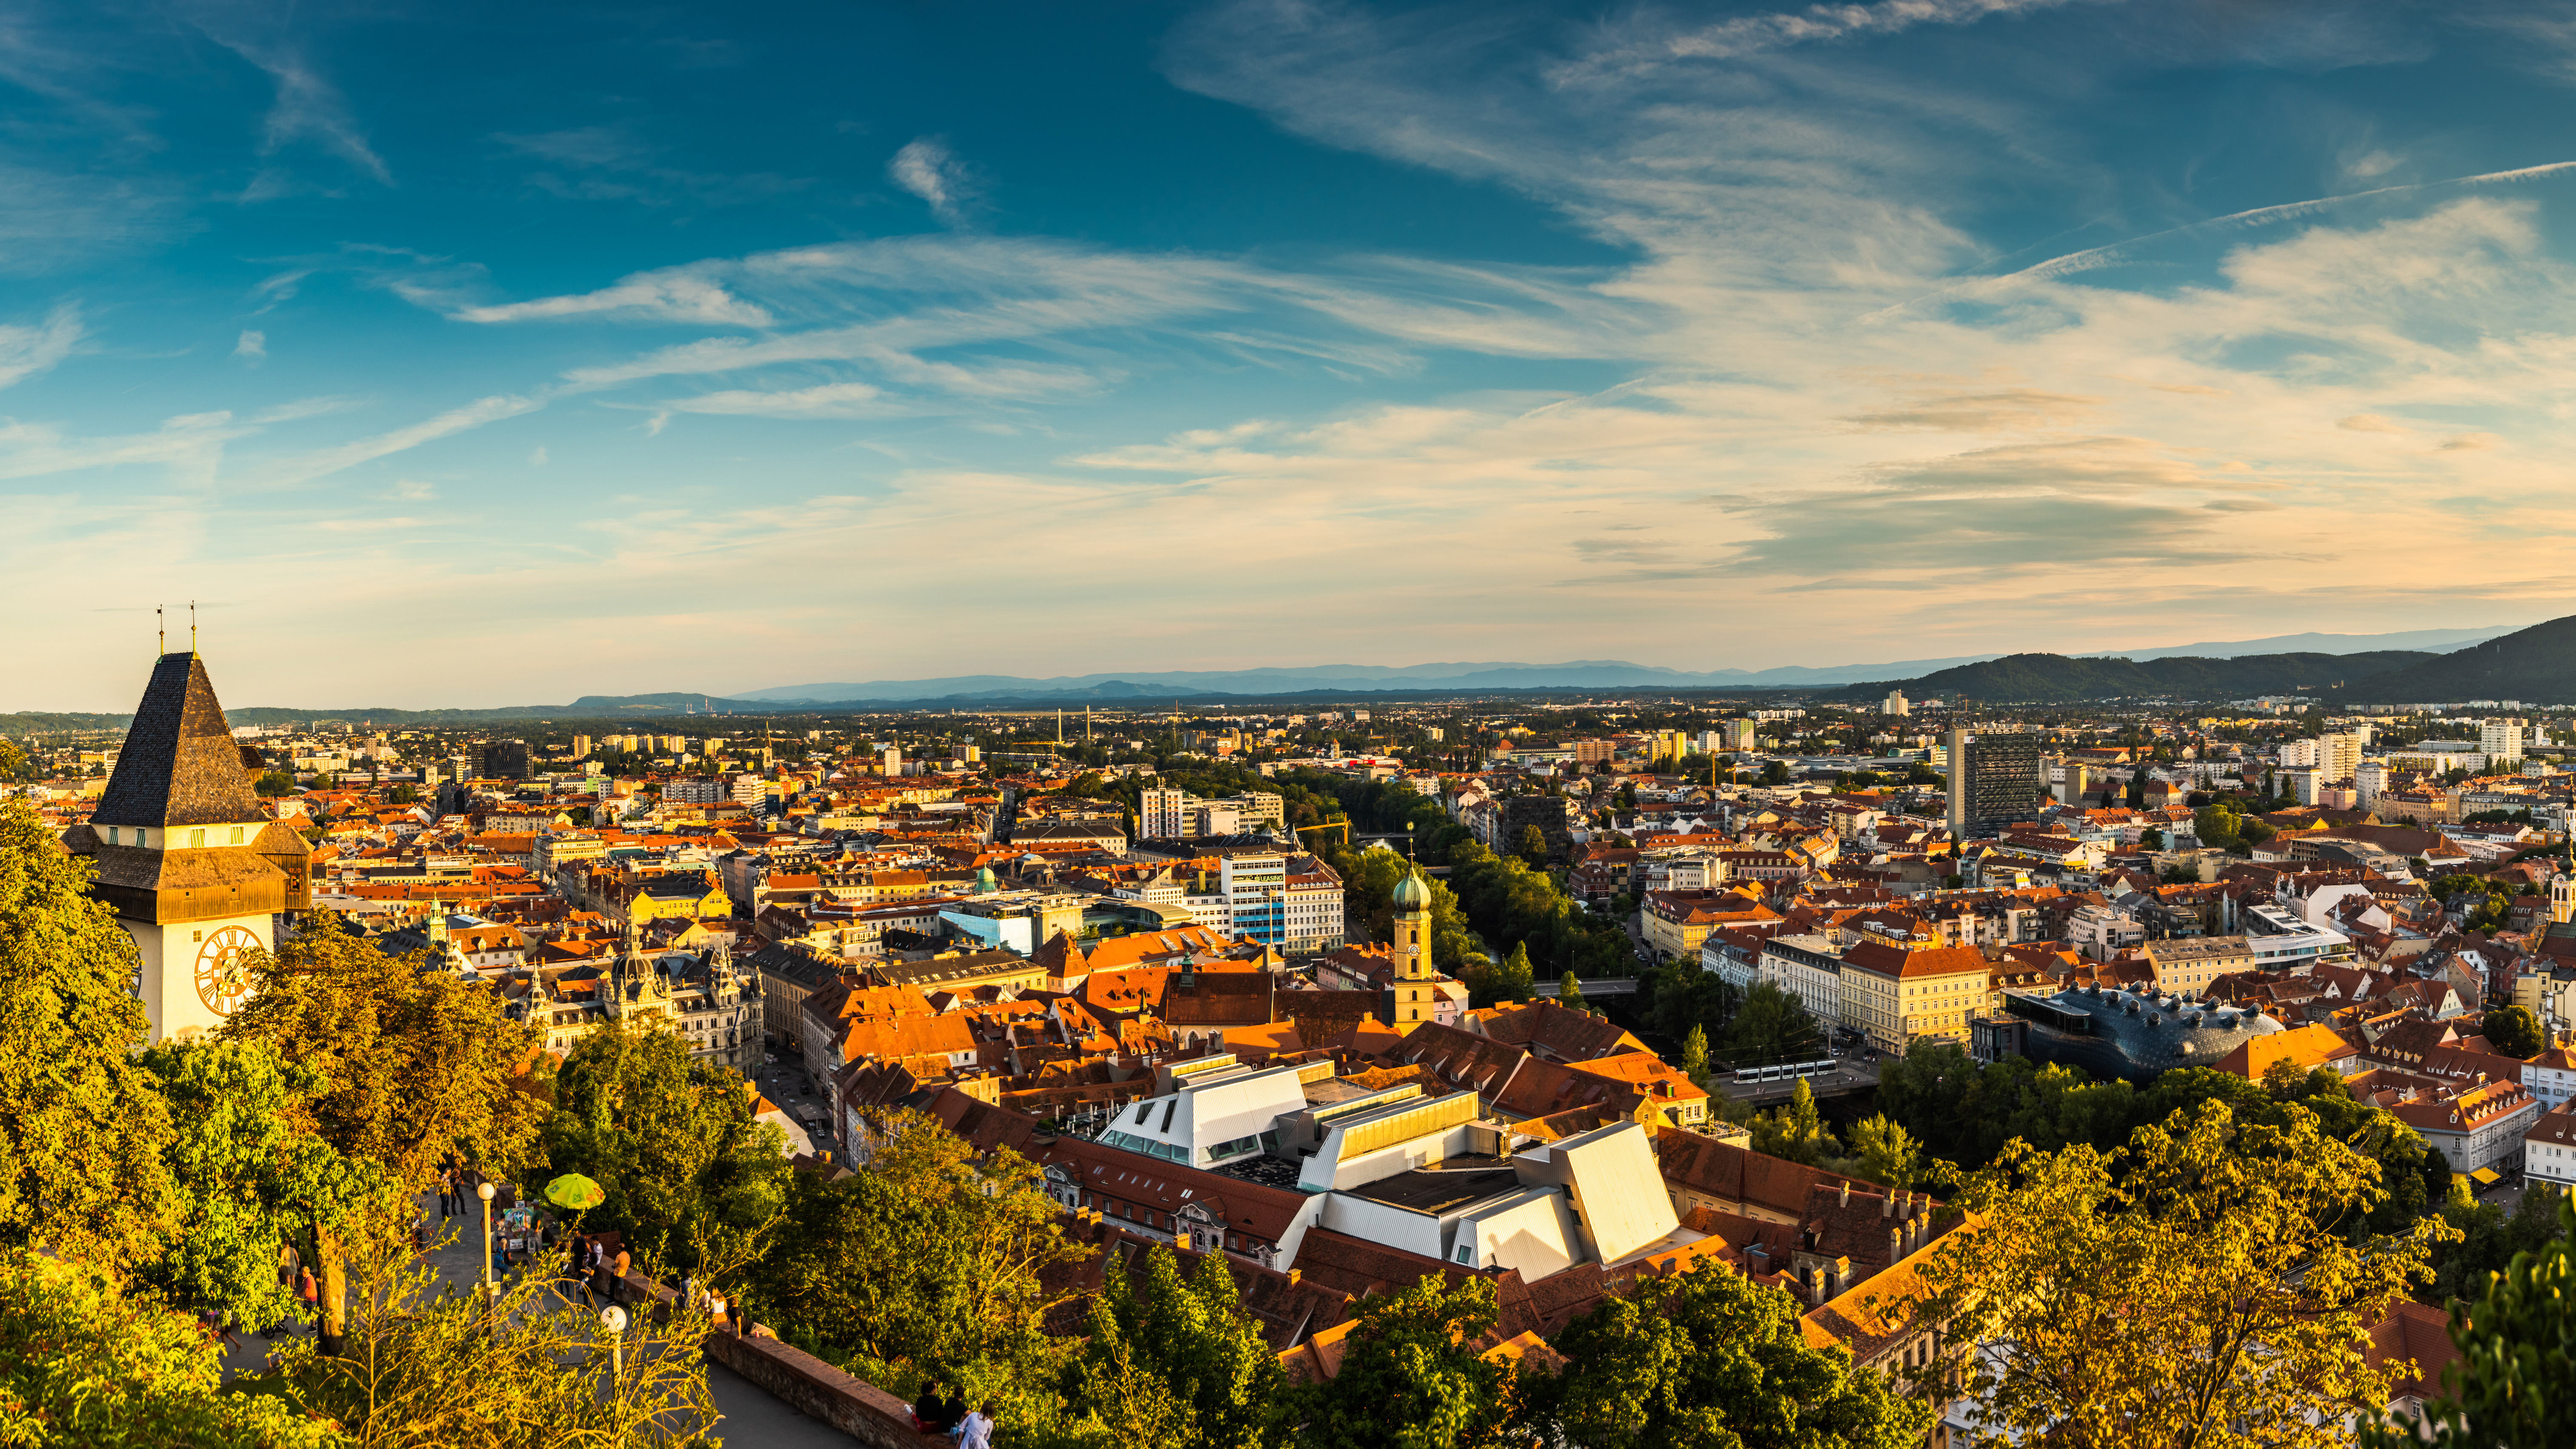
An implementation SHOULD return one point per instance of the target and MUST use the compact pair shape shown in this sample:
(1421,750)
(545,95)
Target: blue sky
(479,355)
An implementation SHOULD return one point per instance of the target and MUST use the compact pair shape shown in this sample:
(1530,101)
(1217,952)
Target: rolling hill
(2535,665)
(2060,679)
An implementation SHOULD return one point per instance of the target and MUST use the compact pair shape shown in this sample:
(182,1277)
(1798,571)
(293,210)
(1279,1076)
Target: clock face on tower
(223,975)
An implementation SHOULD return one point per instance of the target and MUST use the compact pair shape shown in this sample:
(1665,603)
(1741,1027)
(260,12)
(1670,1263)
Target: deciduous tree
(2212,1258)
(247,1178)
(2517,1341)
(86,1365)
(425,1366)
(414,1064)
(1411,1376)
(1709,1358)
(693,1180)
(2514,1031)
(1174,1361)
(924,1263)
(1772,1026)
(81,1126)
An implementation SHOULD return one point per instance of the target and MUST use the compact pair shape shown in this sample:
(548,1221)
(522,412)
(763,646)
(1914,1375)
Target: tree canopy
(84,1364)
(1708,1358)
(924,1265)
(1411,1376)
(1173,1360)
(81,1123)
(693,1180)
(2221,1258)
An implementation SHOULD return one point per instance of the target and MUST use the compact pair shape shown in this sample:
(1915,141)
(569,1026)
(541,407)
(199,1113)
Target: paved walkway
(752,1418)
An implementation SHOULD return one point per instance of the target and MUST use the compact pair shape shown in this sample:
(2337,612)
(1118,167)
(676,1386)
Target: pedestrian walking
(309,1289)
(625,1261)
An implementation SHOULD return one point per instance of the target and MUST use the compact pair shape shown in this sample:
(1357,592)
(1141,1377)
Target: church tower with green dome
(1410,997)
(2562,889)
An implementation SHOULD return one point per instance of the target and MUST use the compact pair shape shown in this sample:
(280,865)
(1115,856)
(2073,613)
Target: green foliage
(81,1128)
(1569,993)
(1773,1026)
(246,1177)
(1532,847)
(1411,1377)
(274,783)
(2216,1258)
(13,760)
(1500,898)
(1796,1131)
(1886,1152)
(924,1266)
(692,1180)
(2514,1031)
(1369,879)
(2489,1241)
(1964,1114)
(1710,1358)
(2517,1357)
(414,1064)
(1173,1361)
(85,1365)
(424,1365)
(1695,1055)
(1508,980)
(1681,998)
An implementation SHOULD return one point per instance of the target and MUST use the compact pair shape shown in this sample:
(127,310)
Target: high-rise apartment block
(1995,780)
(2501,738)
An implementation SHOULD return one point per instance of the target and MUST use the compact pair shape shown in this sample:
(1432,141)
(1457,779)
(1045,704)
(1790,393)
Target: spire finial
(192,628)
(161,626)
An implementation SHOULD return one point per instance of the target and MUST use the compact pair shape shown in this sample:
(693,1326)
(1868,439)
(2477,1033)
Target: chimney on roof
(1887,1205)
(1845,1199)
(1895,1244)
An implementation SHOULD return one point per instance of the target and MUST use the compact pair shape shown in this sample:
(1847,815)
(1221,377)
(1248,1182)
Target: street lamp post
(613,1318)
(484,1191)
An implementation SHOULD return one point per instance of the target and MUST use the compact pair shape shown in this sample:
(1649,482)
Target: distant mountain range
(1469,678)
(2537,664)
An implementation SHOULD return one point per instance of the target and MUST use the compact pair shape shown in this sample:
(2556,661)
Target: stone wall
(805,1383)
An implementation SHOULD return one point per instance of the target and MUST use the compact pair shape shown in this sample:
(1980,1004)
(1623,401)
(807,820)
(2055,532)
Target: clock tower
(195,870)
(1412,996)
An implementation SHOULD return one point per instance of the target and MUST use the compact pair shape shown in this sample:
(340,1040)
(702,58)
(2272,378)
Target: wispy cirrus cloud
(307,109)
(323,462)
(614,163)
(677,295)
(927,168)
(1747,35)
(26,350)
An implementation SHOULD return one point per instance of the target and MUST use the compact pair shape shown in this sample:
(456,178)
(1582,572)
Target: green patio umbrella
(575,1192)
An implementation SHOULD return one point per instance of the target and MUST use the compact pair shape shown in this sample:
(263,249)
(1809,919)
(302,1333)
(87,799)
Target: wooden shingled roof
(179,765)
